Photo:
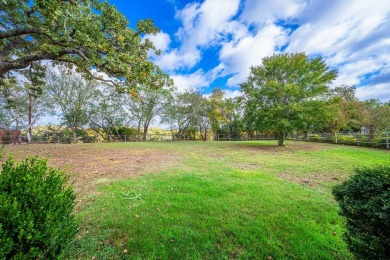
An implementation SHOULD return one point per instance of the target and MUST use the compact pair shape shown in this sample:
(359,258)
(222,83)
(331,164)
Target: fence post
(387,141)
(357,140)
(336,137)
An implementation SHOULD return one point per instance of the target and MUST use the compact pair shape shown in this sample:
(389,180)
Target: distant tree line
(269,104)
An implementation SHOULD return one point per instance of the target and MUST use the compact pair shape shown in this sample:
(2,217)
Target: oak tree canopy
(87,34)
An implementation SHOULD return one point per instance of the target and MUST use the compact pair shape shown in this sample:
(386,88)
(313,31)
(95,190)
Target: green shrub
(315,138)
(379,142)
(364,200)
(346,139)
(365,141)
(36,205)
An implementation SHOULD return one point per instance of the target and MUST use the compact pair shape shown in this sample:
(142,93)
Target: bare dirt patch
(90,165)
(292,146)
(246,166)
(313,179)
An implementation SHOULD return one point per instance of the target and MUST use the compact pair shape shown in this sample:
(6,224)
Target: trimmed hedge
(364,200)
(36,205)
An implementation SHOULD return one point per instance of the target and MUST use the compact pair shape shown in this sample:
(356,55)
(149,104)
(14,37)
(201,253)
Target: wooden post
(387,141)
(336,138)
(357,140)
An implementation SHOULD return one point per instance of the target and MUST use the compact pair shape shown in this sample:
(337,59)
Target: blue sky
(213,43)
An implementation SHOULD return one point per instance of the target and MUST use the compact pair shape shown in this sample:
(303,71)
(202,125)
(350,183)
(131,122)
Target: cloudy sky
(213,43)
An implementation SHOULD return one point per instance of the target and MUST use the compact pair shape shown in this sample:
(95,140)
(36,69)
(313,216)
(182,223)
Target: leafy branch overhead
(89,34)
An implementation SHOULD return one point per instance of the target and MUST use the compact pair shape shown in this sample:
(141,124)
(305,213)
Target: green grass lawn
(224,200)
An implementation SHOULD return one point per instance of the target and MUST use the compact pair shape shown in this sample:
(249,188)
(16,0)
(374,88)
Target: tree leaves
(86,33)
(281,93)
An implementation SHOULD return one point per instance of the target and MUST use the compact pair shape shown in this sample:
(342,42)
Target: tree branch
(19,32)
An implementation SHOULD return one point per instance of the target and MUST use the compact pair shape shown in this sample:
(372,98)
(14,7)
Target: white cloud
(160,40)
(263,11)
(177,59)
(195,80)
(379,91)
(203,25)
(249,51)
(232,93)
(352,73)
(352,36)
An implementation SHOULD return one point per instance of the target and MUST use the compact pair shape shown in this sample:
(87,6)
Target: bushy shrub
(346,139)
(315,138)
(379,142)
(365,141)
(364,200)
(36,205)
(125,130)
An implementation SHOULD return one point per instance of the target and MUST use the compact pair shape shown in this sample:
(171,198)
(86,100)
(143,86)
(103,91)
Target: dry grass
(92,165)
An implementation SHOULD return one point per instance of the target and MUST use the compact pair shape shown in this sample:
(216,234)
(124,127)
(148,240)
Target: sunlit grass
(224,200)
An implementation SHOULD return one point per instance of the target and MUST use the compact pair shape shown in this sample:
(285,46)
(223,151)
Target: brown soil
(313,179)
(296,146)
(91,165)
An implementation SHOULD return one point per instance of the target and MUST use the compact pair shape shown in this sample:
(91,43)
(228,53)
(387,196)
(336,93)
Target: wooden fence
(358,139)
(378,141)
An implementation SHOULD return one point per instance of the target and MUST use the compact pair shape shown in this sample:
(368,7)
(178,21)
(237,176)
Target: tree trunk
(109,121)
(117,134)
(29,137)
(371,131)
(306,135)
(74,130)
(281,139)
(145,133)
(139,130)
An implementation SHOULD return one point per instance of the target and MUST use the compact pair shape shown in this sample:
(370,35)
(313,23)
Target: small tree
(284,91)
(71,93)
(149,101)
(216,113)
(376,116)
(187,113)
(106,113)
(345,111)
(232,110)
(364,200)
(36,205)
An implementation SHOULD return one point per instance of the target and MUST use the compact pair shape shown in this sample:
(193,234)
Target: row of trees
(89,41)
(290,93)
(81,103)
(90,37)
(269,108)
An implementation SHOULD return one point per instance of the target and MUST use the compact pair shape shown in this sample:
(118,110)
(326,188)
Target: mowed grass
(223,200)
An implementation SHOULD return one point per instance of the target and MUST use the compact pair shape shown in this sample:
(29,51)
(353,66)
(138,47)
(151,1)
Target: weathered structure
(10,136)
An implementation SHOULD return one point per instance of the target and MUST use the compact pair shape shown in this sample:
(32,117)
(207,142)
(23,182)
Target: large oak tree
(90,34)
(285,93)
